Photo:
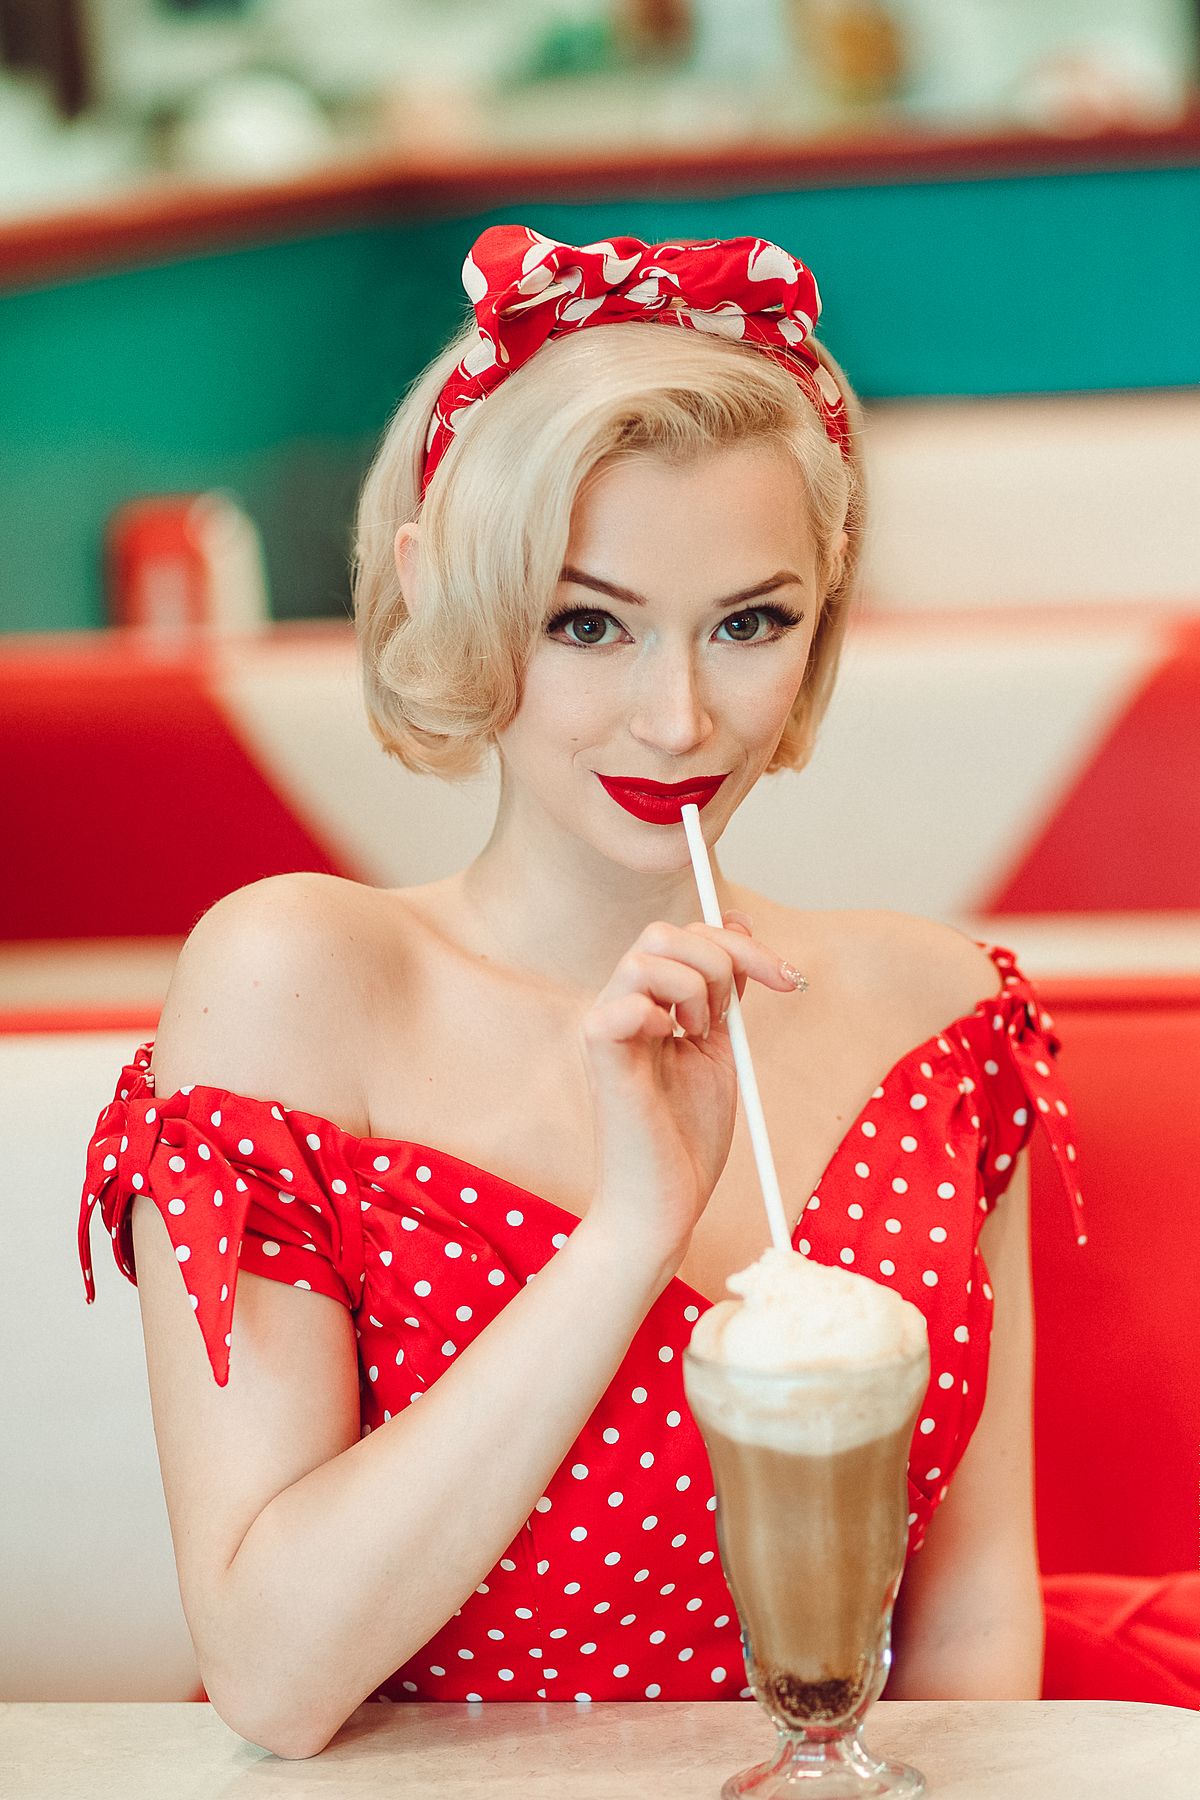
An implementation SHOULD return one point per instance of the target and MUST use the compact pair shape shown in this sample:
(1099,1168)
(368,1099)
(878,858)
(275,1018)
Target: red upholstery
(1117,1397)
(1123,1637)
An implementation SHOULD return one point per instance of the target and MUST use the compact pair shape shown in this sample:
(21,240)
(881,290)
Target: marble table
(608,1750)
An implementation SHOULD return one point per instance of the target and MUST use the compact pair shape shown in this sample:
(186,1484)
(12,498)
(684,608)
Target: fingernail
(740,918)
(798,981)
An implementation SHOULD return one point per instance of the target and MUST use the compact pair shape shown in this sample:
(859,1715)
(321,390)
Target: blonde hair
(439,683)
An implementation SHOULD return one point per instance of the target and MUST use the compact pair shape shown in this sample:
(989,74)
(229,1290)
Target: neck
(545,903)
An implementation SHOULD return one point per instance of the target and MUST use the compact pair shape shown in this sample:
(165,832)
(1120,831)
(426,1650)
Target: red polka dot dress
(613,1588)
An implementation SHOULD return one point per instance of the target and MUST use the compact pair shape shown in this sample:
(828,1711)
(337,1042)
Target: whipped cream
(861,1348)
(794,1313)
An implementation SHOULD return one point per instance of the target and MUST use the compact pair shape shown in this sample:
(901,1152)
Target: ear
(405,550)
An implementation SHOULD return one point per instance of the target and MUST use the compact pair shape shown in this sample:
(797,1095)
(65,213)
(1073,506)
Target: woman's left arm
(969,1623)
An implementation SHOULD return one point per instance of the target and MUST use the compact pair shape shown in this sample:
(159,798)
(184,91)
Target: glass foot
(841,1768)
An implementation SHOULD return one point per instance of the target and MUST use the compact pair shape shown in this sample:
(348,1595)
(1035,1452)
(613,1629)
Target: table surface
(668,1750)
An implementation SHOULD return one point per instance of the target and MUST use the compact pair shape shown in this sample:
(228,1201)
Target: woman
(617,553)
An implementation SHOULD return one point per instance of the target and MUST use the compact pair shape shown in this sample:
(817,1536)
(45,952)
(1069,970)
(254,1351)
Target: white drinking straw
(747,1086)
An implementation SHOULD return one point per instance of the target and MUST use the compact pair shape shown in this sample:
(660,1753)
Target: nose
(670,714)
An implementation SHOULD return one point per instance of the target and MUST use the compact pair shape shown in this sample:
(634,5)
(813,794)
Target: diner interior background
(230,233)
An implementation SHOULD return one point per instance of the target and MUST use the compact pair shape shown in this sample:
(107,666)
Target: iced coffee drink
(807,1387)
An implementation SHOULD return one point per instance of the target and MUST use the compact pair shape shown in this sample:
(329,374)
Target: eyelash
(782,617)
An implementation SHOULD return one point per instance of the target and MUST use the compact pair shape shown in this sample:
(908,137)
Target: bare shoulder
(265,998)
(934,967)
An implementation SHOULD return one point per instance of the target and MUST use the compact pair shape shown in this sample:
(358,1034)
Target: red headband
(526,288)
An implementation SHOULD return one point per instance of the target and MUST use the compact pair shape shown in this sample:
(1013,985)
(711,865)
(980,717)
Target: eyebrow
(578,578)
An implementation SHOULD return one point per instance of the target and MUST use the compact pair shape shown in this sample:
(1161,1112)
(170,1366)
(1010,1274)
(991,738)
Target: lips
(658,802)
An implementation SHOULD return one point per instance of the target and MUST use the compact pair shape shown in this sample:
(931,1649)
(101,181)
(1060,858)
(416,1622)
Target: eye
(782,617)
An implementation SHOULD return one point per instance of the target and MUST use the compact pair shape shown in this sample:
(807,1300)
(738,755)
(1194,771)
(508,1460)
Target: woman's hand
(664,1106)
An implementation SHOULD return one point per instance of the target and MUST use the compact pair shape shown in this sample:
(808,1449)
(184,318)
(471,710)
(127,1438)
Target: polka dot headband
(526,288)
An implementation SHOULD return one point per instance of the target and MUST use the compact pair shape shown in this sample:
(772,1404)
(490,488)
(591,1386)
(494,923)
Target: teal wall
(271,370)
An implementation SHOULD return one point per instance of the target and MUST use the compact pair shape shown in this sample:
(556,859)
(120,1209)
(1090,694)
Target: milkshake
(806,1388)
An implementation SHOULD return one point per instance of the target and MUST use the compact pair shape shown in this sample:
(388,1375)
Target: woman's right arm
(313,1562)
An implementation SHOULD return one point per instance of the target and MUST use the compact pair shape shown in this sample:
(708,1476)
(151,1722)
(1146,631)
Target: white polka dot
(523,1612)
(646,1458)
(424,1172)
(373,1372)
(579,1471)
(665,1354)
(176,1207)
(946,1190)
(887,1267)
(506,1562)
(514,1217)
(381,1163)
(543,1505)
(908,1143)
(929,1277)
(178,1163)
(638,1395)
(653,1691)
(559,1239)
(611,1435)
(892,1225)
(717,1675)
(588,1649)
(245,1146)
(385,1257)
(422,1288)
(504,1674)
(578,1532)
(448,1348)
(862,1170)
(926,1426)
(584,1699)
(673,1418)
(650,1521)
(407,1223)
(945,1381)
(938,1233)
(867,1129)
(961,1334)
(691,1312)
(615,1499)
(917,1101)
(496,1277)
(182,1253)
(932,1474)
(1020,1116)
(110,1162)
(462,1312)
(1003,1161)
(453,1249)
(854,1210)
(613,1557)
(847,1255)
(339,1187)
(223,1246)
(805,1247)
(686,1655)
(899,1185)
(313,1141)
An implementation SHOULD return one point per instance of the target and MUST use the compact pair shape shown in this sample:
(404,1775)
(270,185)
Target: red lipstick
(659,802)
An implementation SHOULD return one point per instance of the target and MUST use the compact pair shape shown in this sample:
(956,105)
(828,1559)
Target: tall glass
(809,1468)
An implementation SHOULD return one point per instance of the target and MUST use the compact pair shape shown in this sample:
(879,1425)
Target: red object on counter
(182,563)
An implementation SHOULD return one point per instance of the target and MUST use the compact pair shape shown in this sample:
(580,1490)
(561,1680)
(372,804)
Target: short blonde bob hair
(494,526)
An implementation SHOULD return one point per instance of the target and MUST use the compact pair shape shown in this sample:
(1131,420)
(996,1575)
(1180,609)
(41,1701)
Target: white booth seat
(91,1607)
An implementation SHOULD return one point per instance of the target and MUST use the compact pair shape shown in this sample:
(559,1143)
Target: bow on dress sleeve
(239,1182)
(1019,1085)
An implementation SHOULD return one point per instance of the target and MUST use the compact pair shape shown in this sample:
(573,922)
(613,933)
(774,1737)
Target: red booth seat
(1117,1399)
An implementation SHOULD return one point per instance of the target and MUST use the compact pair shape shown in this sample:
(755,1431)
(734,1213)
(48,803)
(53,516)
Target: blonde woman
(474,1143)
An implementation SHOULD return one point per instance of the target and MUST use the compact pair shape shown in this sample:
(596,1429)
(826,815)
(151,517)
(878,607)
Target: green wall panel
(270,370)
